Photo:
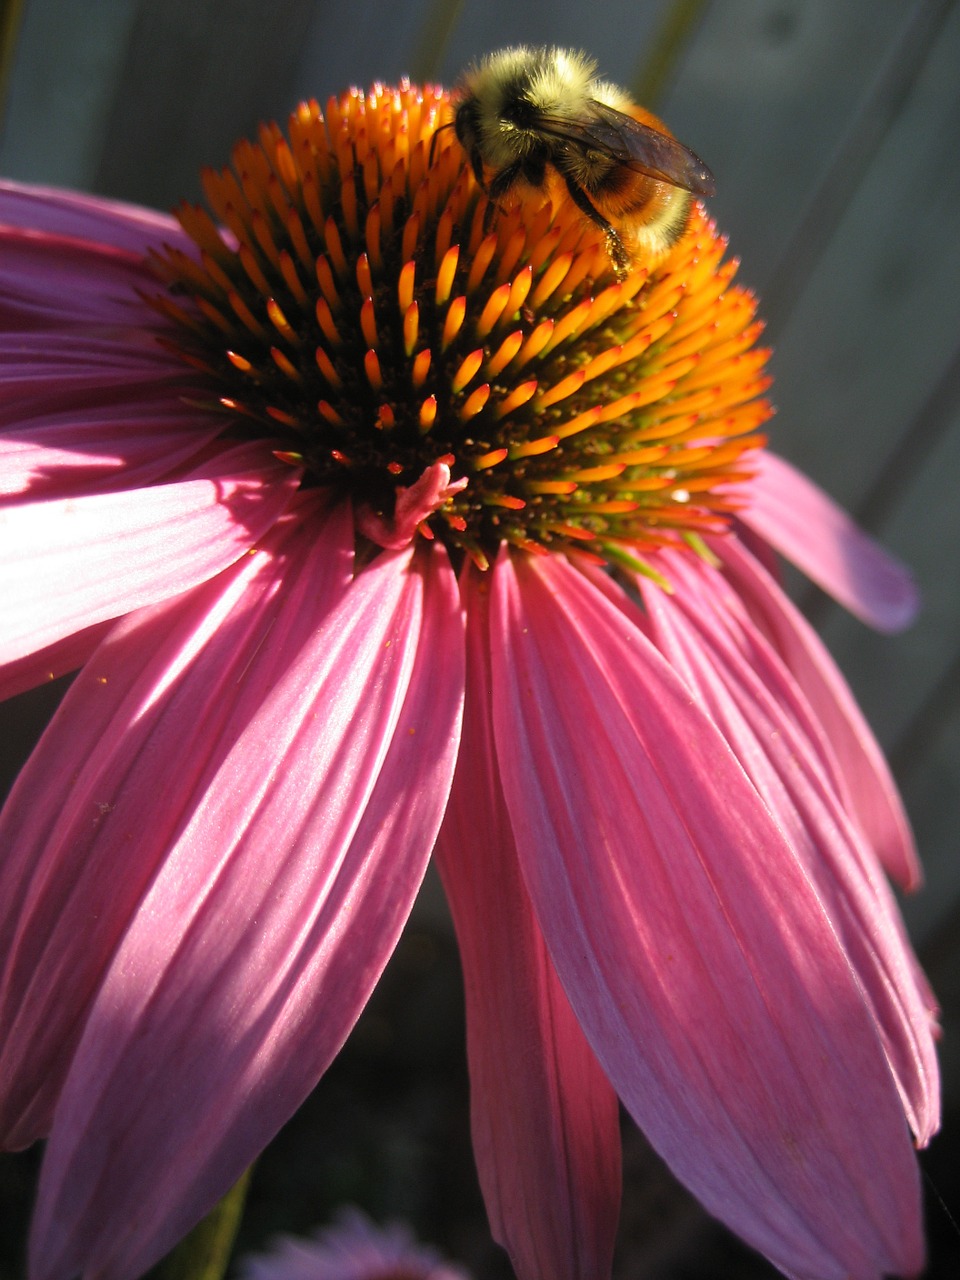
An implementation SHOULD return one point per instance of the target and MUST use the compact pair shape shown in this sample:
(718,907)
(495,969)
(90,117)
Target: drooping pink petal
(141,733)
(264,931)
(691,943)
(870,792)
(56,660)
(46,276)
(91,397)
(83,415)
(71,563)
(704,639)
(48,372)
(545,1121)
(68,213)
(797,517)
(126,445)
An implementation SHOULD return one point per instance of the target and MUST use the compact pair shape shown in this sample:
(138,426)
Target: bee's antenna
(433,141)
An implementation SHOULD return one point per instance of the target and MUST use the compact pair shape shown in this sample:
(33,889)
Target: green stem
(437,30)
(676,30)
(205,1252)
(11,15)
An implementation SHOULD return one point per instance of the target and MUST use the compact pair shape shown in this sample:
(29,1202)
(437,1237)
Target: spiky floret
(352,296)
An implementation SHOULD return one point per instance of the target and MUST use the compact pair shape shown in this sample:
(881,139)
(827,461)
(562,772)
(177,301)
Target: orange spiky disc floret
(353,295)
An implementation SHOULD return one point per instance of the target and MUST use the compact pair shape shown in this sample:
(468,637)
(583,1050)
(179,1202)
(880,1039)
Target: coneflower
(380,522)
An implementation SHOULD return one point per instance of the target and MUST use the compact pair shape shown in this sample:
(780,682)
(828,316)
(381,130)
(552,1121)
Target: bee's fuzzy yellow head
(503,97)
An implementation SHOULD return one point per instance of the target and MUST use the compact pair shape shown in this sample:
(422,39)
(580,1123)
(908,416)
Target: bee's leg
(498,186)
(616,249)
(476,164)
(501,182)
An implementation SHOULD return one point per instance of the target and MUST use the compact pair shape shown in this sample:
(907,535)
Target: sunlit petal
(706,640)
(173,536)
(155,711)
(799,520)
(871,793)
(683,928)
(545,1125)
(310,843)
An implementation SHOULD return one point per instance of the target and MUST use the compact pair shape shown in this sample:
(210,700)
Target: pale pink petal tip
(354,1248)
(806,526)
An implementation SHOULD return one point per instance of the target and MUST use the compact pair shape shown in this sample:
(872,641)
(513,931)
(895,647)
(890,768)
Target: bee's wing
(636,145)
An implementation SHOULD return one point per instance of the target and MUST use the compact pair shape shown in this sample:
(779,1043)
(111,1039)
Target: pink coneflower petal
(124,445)
(264,931)
(545,1125)
(871,794)
(173,536)
(56,660)
(43,274)
(91,399)
(69,213)
(797,517)
(86,415)
(690,941)
(63,373)
(154,712)
(701,635)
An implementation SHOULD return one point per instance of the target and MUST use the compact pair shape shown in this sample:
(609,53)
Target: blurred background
(834,132)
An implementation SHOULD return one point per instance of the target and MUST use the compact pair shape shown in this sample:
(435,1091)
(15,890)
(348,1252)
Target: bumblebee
(539,118)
